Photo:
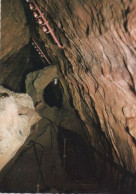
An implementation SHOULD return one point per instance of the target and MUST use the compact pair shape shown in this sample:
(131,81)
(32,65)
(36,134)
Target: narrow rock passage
(78,64)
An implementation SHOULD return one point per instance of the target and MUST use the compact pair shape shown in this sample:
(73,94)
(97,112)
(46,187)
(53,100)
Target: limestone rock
(17,116)
(36,82)
(65,116)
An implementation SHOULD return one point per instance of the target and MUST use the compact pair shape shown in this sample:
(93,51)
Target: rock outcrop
(17,116)
(64,115)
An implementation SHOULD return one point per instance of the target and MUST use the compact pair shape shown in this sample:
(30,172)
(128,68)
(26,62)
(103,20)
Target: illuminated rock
(17,116)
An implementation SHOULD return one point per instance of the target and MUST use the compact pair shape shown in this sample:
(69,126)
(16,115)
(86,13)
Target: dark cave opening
(36,60)
(53,94)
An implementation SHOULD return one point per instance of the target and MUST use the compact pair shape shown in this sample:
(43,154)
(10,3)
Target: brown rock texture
(14,59)
(36,82)
(65,116)
(99,63)
(15,31)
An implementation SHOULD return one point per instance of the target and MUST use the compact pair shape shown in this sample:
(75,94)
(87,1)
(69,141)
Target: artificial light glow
(28,1)
(40,21)
(36,15)
(31,6)
(45,29)
(55,81)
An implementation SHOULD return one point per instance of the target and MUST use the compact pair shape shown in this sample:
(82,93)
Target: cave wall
(15,52)
(63,115)
(98,62)
(15,31)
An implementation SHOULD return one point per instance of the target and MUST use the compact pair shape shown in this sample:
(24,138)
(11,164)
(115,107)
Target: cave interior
(77,62)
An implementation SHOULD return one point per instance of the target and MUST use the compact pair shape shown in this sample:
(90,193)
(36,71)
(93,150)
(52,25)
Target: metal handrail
(45,22)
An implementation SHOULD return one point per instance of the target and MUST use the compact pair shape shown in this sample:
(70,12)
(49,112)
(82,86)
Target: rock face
(15,32)
(17,116)
(39,82)
(14,36)
(64,115)
(99,63)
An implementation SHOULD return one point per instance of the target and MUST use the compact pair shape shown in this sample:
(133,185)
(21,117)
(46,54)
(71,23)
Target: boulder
(17,116)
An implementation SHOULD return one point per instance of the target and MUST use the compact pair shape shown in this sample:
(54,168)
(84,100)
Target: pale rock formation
(36,89)
(17,116)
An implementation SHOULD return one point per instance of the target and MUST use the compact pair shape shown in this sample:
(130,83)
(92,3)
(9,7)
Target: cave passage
(53,94)
(74,62)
